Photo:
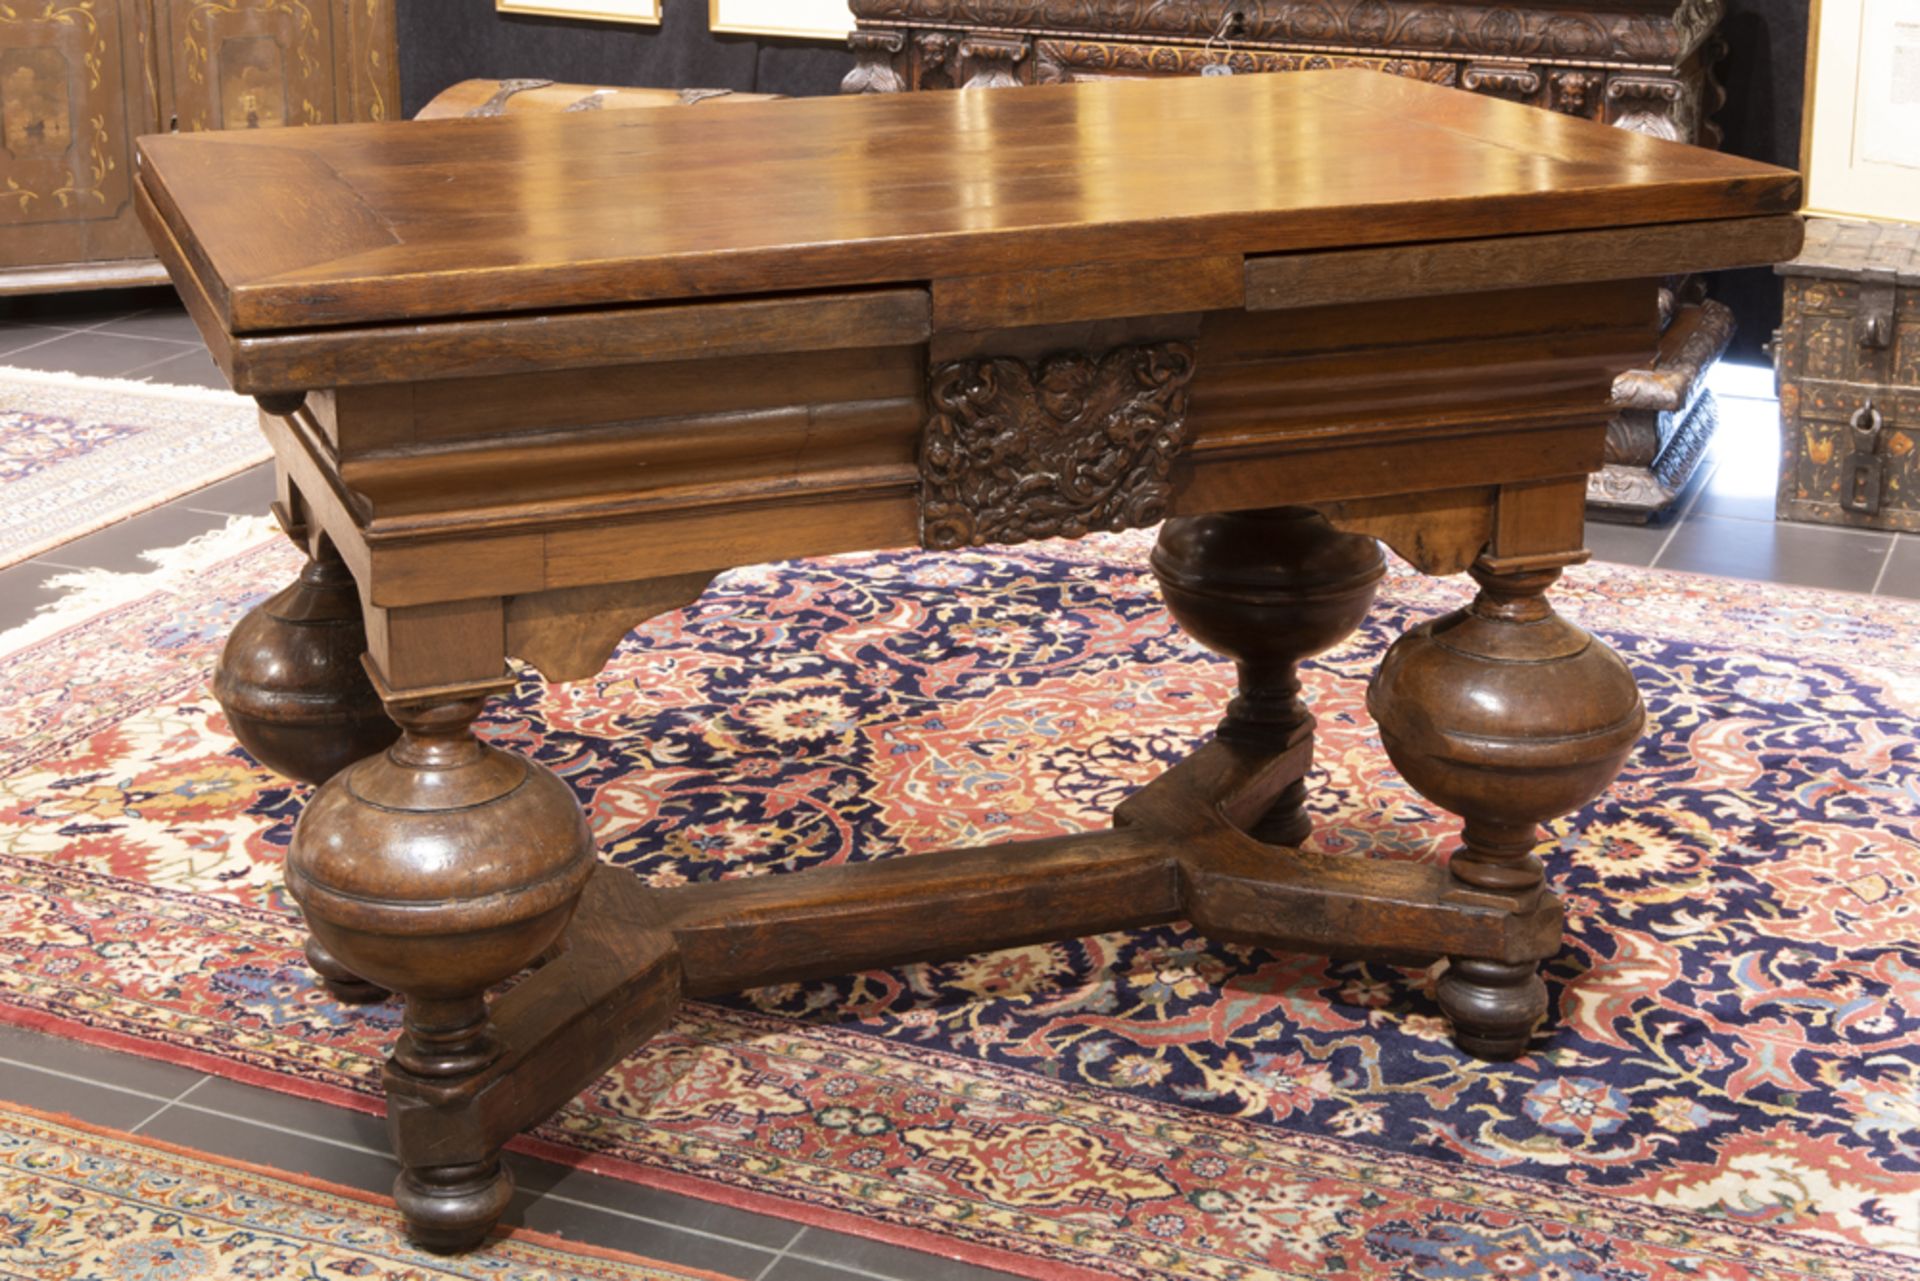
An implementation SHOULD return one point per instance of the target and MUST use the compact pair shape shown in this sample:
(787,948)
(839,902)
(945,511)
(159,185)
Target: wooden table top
(360,224)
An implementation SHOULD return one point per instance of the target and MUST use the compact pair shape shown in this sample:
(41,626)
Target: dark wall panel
(1765,78)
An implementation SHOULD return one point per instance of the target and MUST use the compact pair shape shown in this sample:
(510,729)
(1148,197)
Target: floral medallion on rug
(78,454)
(77,1201)
(1728,1087)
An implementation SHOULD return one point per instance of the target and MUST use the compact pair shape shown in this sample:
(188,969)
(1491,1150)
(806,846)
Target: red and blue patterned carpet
(1728,1088)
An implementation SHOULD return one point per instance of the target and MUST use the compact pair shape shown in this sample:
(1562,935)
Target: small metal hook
(1231,24)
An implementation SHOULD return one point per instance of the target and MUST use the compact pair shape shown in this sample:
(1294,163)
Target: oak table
(533,380)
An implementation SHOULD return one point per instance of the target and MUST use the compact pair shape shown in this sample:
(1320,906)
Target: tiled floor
(1725,527)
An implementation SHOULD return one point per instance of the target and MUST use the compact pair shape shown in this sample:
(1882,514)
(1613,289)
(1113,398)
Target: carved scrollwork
(1501,80)
(1659,106)
(990,62)
(1015,451)
(1415,27)
(876,62)
(1065,60)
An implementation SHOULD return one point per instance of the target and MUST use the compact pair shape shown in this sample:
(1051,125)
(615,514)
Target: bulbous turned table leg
(437,869)
(297,698)
(290,679)
(1268,589)
(1507,715)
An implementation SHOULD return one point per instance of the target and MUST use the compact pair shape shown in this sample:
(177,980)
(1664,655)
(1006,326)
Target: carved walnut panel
(251,64)
(1016,451)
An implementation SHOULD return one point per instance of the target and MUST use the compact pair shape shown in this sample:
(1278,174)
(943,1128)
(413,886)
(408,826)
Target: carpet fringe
(91,592)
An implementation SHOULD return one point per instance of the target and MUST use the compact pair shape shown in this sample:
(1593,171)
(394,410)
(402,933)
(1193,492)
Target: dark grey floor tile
(95,1065)
(24,590)
(118,547)
(189,367)
(677,1211)
(1625,544)
(1765,551)
(1903,570)
(590,1225)
(858,1254)
(15,337)
(1737,503)
(171,323)
(275,1148)
(81,1100)
(316,1120)
(100,355)
(251,493)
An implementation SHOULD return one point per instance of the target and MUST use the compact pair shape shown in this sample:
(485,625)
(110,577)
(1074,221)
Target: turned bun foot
(450,1208)
(1507,715)
(291,683)
(345,986)
(1493,1007)
(436,869)
(1286,821)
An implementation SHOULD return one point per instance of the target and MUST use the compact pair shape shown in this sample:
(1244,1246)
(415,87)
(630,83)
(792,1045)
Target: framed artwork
(1860,141)
(647,11)
(811,19)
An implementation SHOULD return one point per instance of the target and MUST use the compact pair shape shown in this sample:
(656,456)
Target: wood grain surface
(445,218)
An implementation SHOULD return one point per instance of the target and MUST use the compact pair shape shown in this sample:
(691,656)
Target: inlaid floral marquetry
(65,139)
(80,80)
(252,64)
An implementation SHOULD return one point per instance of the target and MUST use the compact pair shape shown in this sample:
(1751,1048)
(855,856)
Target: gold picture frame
(635,12)
(1860,134)
(800,19)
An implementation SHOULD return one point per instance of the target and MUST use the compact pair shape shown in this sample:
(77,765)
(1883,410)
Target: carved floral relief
(1016,451)
(1489,30)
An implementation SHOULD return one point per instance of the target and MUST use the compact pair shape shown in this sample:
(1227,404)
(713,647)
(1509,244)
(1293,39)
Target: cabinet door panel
(250,64)
(73,97)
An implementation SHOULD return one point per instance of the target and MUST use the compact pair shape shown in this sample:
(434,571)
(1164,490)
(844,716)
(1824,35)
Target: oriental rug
(78,1201)
(78,454)
(1729,1087)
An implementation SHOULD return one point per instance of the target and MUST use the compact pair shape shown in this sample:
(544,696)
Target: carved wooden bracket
(1016,451)
(1502,79)
(569,633)
(990,61)
(1654,105)
(876,69)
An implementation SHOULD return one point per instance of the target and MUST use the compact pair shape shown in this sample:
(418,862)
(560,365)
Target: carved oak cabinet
(81,79)
(1644,65)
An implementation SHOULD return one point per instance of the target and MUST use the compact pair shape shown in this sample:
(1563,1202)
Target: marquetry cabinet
(81,79)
